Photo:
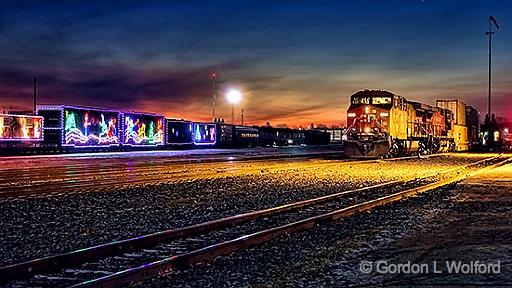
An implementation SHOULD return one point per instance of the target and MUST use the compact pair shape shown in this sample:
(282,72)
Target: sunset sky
(296,62)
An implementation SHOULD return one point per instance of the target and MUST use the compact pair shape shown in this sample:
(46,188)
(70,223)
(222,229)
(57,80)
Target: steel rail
(174,263)
(74,258)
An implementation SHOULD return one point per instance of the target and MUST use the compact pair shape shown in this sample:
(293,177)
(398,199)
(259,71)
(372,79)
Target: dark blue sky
(295,61)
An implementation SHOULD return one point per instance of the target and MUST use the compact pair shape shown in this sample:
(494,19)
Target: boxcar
(20,131)
(316,137)
(205,134)
(140,129)
(79,127)
(246,136)
(180,133)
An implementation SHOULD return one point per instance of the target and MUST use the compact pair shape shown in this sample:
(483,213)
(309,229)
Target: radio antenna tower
(214,92)
(492,21)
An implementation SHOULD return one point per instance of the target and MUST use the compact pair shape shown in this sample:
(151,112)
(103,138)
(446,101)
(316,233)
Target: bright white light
(351,115)
(367,130)
(384,114)
(505,130)
(234,96)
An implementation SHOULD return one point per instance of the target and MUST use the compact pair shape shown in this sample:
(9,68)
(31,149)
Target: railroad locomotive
(383,124)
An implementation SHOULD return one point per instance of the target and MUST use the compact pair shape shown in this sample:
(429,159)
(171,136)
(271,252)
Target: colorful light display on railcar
(21,128)
(205,134)
(90,127)
(141,129)
(180,132)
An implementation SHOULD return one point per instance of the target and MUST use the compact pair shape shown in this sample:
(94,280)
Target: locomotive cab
(368,121)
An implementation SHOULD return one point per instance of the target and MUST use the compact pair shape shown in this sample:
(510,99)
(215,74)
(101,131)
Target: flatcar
(383,124)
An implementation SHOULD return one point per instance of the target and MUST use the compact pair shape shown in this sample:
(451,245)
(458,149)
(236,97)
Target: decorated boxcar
(20,130)
(140,129)
(79,127)
(205,134)
(180,133)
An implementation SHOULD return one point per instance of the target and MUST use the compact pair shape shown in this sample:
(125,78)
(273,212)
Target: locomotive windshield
(381,100)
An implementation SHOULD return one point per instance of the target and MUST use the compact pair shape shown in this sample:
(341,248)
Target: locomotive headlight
(367,130)
(351,115)
(384,114)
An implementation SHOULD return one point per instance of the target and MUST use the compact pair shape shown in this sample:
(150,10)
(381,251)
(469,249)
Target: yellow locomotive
(383,124)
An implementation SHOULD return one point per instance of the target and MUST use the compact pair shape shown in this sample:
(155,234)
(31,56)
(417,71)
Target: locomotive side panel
(398,119)
(460,136)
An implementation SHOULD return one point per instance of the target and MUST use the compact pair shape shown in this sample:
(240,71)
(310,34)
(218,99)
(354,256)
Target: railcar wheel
(423,149)
(451,146)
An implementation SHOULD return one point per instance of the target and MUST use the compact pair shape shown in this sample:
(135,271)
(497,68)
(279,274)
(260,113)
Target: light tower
(492,21)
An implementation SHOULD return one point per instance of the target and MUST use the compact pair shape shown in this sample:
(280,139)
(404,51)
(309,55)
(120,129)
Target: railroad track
(87,178)
(80,163)
(148,256)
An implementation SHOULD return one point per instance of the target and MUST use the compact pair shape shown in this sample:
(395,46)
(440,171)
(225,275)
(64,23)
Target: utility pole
(35,95)
(233,113)
(214,93)
(489,33)
(242,117)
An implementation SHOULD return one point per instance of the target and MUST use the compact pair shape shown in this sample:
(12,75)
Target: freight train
(383,124)
(62,128)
